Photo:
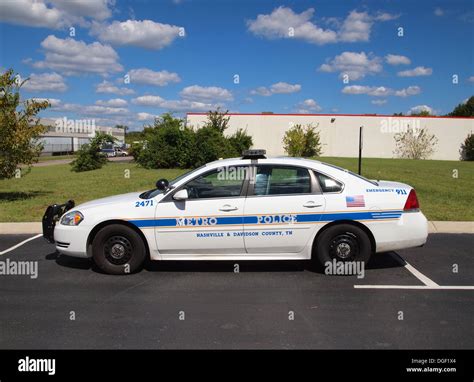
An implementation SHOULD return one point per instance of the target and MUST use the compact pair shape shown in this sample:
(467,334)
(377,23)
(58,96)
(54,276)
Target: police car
(249,208)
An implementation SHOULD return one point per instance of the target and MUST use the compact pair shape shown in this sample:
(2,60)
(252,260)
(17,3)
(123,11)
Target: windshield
(152,193)
(353,174)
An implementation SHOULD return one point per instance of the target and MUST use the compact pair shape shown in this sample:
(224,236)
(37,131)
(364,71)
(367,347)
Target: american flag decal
(355,201)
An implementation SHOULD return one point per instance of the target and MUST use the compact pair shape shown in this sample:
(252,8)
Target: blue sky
(290,57)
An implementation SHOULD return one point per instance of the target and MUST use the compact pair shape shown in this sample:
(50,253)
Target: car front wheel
(118,250)
(343,243)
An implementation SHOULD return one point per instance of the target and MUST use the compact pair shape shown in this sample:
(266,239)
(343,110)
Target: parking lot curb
(433,227)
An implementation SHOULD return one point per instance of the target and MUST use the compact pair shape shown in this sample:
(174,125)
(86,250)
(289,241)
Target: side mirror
(162,184)
(181,195)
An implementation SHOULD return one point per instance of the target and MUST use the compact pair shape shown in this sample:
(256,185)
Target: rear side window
(282,180)
(329,184)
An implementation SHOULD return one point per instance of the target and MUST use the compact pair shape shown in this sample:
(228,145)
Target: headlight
(72,218)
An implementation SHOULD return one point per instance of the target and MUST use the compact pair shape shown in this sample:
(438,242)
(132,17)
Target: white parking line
(439,287)
(20,244)
(420,276)
(429,284)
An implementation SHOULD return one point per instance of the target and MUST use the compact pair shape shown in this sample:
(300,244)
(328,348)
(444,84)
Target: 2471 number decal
(144,203)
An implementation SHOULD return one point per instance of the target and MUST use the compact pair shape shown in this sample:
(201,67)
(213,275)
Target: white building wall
(340,137)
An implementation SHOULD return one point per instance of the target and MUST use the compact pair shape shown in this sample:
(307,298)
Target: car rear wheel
(342,243)
(118,250)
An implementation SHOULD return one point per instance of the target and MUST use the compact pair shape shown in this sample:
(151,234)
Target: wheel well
(351,222)
(99,226)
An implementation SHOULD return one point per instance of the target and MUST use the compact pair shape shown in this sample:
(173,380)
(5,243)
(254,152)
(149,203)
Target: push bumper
(51,217)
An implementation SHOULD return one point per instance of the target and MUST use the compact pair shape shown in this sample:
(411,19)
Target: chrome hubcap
(117,251)
(343,250)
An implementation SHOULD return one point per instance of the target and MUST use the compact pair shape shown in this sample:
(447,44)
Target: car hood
(131,196)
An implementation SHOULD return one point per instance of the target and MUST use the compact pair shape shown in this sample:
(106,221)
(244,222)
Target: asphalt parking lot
(268,305)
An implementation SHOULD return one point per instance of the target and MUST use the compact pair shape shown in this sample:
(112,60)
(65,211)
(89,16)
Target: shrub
(240,141)
(302,141)
(168,144)
(467,148)
(90,157)
(415,144)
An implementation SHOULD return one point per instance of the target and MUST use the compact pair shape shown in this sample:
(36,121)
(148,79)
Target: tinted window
(221,183)
(281,180)
(328,184)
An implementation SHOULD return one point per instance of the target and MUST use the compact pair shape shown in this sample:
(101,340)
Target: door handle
(227,208)
(311,204)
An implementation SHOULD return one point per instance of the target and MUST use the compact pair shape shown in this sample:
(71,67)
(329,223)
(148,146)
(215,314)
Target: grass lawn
(442,197)
(47,158)
(25,199)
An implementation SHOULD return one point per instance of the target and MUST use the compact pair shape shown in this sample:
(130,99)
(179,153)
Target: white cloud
(73,57)
(283,22)
(150,77)
(110,88)
(409,91)
(421,108)
(206,94)
(96,9)
(278,24)
(45,82)
(379,102)
(146,116)
(100,110)
(438,11)
(308,106)
(174,105)
(355,65)
(277,88)
(148,100)
(418,71)
(394,59)
(115,102)
(53,14)
(356,27)
(381,91)
(142,33)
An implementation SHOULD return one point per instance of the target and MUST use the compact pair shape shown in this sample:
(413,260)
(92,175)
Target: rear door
(283,205)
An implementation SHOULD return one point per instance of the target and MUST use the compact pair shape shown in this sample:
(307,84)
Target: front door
(210,221)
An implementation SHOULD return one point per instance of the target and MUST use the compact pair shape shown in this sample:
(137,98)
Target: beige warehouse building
(340,132)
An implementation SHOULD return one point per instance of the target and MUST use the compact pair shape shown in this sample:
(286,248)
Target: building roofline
(334,115)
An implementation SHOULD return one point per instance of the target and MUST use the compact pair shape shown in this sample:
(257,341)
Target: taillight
(412,202)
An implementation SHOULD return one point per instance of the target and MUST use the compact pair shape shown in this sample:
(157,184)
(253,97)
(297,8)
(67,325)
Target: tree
(467,148)
(240,141)
(20,127)
(302,141)
(464,109)
(415,144)
(169,143)
(218,120)
(421,113)
(90,157)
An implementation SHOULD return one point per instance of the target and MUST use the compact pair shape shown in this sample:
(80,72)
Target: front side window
(282,180)
(224,182)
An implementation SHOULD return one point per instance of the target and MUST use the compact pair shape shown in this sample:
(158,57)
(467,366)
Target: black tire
(343,242)
(118,250)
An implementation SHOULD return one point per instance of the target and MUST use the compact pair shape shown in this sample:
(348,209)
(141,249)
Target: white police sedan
(249,208)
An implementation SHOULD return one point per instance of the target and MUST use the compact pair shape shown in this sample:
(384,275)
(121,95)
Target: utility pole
(360,148)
